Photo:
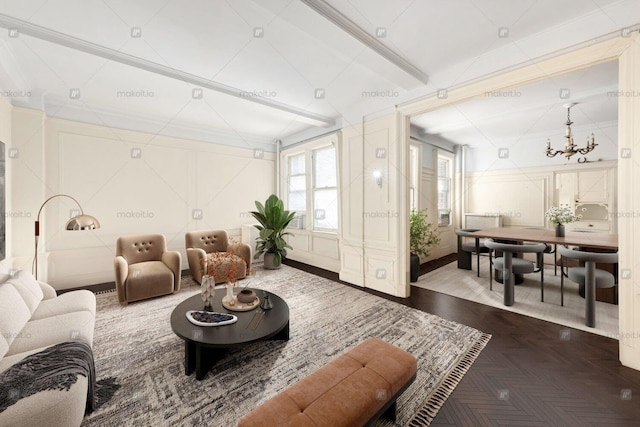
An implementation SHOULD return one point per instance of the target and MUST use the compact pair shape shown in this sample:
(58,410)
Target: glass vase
(559,230)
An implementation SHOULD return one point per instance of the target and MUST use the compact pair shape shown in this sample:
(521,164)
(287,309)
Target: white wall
(522,196)
(5,136)
(133,183)
(372,248)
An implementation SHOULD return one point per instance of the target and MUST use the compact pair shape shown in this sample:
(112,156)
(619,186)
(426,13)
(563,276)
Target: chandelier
(569,147)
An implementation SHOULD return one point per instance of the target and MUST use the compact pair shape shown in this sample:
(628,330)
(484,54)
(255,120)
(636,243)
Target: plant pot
(560,230)
(415,268)
(270,261)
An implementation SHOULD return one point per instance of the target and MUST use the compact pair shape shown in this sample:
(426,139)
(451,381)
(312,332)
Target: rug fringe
(429,410)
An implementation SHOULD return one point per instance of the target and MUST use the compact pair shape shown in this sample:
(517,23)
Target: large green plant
(273,219)
(422,234)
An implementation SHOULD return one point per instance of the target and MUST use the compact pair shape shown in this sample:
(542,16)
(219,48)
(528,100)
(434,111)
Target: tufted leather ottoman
(352,390)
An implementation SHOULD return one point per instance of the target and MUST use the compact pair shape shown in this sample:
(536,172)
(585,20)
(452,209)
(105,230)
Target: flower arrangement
(563,215)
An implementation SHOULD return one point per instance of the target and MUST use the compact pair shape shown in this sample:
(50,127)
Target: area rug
(466,285)
(135,344)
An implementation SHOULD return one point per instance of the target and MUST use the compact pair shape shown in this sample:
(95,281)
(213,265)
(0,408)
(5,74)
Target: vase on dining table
(559,230)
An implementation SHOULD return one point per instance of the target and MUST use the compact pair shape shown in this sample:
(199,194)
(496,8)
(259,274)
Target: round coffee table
(205,345)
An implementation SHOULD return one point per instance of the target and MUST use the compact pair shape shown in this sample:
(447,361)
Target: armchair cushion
(144,268)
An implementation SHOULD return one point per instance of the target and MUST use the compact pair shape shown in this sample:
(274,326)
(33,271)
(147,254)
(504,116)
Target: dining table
(597,241)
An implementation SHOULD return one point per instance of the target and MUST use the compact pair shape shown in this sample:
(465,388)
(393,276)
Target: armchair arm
(243,251)
(121,268)
(173,260)
(48,290)
(195,257)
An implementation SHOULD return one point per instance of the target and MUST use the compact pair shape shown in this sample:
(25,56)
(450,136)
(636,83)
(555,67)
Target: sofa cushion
(51,408)
(53,330)
(4,346)
(29,289)
(81,300)
(14,313)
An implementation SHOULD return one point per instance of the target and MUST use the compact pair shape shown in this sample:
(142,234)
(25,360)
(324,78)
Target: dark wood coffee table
(205,345)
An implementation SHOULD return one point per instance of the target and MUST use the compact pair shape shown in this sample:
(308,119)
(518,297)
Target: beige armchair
(212,247)
(144,267)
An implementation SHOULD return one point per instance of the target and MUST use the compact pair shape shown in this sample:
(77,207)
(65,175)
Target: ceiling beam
(354,30)
(43,33)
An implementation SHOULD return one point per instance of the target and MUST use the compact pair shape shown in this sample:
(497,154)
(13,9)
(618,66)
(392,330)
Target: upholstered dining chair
(211,250)
(588,277)
(476,246)
(144,268)
(511,265)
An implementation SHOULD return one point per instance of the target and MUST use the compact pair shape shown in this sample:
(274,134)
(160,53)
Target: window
(312,186)
(444,191)
(297,185)
(325,189)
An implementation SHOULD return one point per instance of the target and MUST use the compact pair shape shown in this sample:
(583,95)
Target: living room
(127,118)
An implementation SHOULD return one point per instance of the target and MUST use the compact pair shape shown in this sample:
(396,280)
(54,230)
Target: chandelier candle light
(569,147)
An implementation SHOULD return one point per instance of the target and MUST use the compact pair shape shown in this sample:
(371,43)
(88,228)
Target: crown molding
(332,14)
(59,107)
(52,36)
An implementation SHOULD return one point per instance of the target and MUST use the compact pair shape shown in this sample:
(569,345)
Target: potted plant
(422,235)
(561,216)
(273,219)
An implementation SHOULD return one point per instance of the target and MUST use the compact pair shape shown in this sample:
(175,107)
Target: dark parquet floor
(532,372)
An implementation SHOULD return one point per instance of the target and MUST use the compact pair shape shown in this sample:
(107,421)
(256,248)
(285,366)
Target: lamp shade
(82,222)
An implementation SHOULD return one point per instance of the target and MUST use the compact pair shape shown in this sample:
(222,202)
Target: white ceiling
(280,52)
(537,109)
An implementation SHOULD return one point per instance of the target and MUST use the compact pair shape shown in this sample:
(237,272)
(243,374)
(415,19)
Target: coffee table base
(201,358)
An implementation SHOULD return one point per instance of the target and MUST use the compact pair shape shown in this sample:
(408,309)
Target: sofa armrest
(121,268)
(48,290)
(243,251)
(173,260)
(195,257)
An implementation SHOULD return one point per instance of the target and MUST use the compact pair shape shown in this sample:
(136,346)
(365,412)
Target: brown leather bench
(355,389)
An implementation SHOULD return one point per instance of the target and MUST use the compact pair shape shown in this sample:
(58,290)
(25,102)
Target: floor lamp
(77,222)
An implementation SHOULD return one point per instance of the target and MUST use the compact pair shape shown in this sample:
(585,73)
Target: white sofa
(32,318)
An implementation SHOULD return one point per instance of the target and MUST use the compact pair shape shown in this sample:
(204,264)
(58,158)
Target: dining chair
(477,246)
(511,265)
(587,276)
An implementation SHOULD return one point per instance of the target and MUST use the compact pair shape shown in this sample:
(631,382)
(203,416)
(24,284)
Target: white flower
(562,215)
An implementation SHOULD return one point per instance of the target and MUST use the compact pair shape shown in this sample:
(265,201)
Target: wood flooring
(532,372)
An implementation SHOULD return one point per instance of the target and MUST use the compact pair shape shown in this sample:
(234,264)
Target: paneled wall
(133,183)
(371,213)
(522,196)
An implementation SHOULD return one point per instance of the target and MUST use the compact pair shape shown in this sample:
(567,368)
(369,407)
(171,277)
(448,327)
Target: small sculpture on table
(266,302)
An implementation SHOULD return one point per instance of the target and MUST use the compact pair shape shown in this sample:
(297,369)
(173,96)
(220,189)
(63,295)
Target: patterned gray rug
(135,344)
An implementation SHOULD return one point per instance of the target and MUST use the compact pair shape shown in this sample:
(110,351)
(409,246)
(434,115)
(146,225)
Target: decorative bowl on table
(246,296)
